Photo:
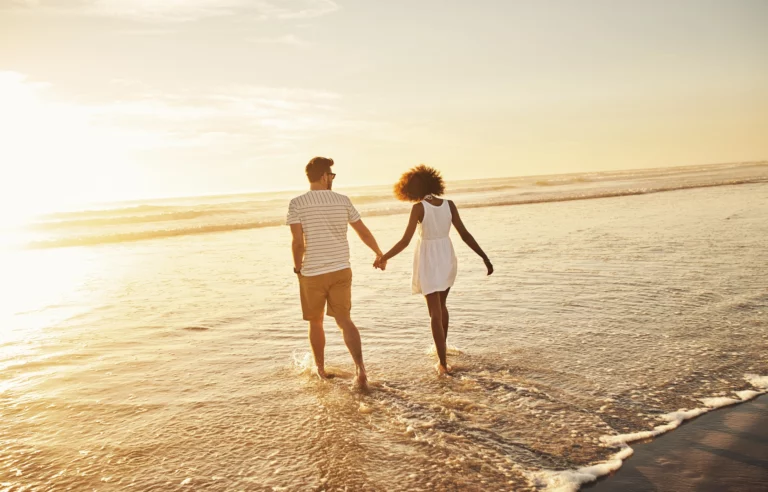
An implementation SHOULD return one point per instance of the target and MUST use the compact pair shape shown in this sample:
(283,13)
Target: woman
(434,261)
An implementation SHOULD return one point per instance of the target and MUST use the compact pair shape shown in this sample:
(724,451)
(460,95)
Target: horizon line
(84,205)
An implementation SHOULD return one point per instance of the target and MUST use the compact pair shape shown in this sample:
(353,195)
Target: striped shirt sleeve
(293,214)
(354,215)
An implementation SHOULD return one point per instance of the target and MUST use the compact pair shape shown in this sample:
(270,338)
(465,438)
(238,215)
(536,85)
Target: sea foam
(572,480)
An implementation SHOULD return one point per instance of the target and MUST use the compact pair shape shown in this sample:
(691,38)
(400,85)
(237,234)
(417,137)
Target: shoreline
(724,449)
(138,236)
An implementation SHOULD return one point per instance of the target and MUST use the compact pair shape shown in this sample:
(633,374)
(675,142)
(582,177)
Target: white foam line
(757,381)
(572,480)
(674,419)
(720,401)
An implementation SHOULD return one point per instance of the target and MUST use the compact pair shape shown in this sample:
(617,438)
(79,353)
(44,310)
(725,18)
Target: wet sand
(724,450)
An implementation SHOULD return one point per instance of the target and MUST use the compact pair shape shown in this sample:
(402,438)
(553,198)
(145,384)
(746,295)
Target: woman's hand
(488,265)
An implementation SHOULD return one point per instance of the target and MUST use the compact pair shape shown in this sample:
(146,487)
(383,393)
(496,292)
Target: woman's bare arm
(417,215)
(467,237)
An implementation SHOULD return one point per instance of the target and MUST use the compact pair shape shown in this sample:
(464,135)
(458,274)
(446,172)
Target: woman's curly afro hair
(419,182)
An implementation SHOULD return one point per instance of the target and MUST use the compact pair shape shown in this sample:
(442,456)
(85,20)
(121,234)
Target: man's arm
(366,236)
(297,245)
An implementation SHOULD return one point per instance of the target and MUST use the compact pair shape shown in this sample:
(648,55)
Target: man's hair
(420,181)
(317,167)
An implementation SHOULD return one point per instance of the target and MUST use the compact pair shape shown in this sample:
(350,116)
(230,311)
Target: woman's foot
(442,370)
(320,371)
(361,378)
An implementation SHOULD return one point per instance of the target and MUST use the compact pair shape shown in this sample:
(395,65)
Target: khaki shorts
(334,287)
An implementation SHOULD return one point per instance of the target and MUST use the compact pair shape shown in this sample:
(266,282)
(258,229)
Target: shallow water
(183,361)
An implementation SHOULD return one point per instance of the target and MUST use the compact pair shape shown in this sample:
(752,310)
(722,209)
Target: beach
(152,351)
(726,450)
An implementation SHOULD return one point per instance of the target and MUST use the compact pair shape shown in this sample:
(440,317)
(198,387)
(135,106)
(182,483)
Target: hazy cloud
(148,119)
(299,9)
(178,10)
(288,39)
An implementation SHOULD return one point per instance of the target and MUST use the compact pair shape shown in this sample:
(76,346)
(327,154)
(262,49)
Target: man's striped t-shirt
(323,215)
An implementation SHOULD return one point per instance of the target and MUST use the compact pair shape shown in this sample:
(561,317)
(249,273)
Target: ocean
(158,344)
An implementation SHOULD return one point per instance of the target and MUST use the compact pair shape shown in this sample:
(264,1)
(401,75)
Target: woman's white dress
(434,261)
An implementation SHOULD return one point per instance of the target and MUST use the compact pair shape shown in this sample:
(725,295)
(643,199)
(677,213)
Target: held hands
(380,263)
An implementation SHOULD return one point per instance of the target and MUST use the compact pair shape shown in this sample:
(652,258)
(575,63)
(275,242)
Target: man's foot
(321,372)
(443,370)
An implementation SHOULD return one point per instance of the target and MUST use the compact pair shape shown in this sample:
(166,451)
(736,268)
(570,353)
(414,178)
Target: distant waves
(92,239)
(203,215)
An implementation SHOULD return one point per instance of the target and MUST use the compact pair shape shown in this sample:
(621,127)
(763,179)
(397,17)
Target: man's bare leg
(317,341)
(354,345)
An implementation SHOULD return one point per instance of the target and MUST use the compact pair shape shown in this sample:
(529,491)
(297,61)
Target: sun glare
(40,291)
(53,156)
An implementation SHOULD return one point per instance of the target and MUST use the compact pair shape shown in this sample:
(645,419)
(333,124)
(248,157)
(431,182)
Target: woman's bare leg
(434,305)
(443,299)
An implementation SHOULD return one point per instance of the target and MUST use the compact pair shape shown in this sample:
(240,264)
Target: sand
(724,450)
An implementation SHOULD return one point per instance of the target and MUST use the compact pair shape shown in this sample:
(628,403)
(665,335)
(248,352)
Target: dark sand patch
(723,450)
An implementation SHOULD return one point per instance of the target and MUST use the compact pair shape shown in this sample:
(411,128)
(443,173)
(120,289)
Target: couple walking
(318,221)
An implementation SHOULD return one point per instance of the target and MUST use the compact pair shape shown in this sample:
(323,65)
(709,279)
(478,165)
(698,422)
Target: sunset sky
(114,99)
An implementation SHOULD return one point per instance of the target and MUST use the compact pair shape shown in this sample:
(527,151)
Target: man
(318,221)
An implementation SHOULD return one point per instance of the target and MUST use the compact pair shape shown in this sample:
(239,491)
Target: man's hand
(380,263)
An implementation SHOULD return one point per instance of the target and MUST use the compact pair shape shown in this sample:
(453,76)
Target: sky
(118,99)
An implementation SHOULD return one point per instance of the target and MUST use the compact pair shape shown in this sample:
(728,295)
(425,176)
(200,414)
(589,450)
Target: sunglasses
(332,175)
